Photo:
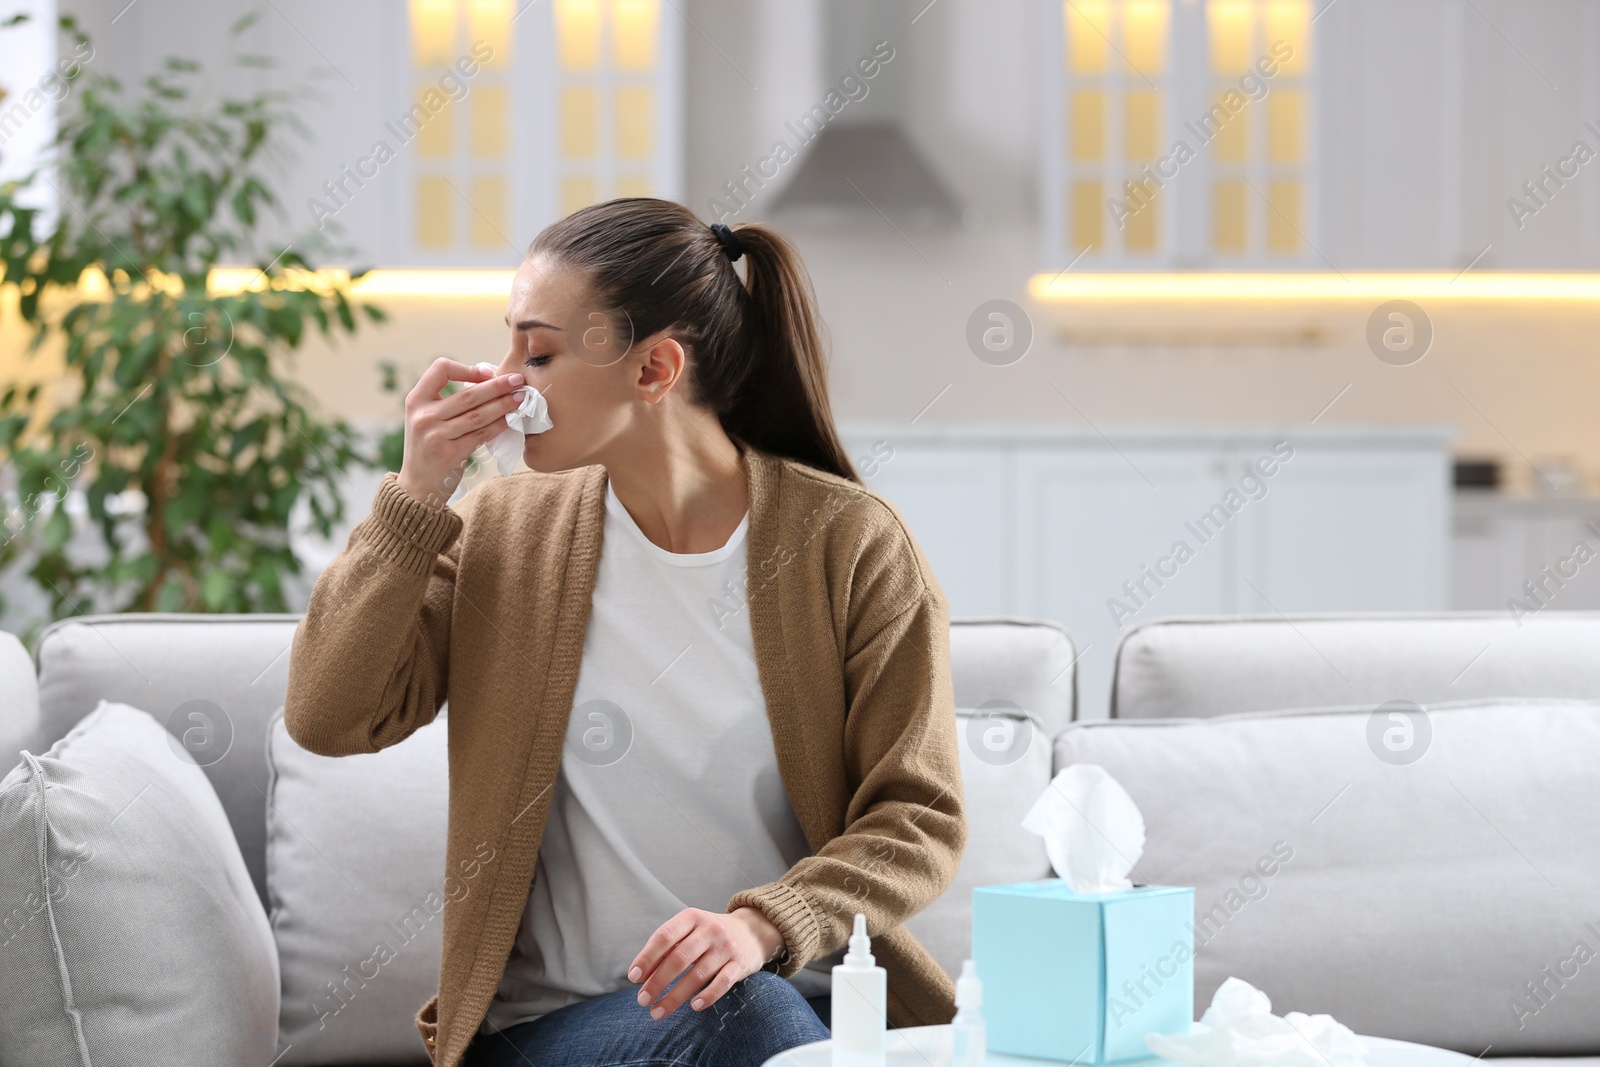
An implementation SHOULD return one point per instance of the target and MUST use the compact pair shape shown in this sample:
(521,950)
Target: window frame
(533,165)
(1185,221)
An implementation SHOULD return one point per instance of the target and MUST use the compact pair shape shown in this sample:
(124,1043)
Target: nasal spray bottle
(859,1004)
(967,1034)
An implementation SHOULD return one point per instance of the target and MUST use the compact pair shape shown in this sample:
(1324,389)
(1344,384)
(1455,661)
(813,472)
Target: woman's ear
(661,365)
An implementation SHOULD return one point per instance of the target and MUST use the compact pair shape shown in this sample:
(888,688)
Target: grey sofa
(1313,939)
(1013,680)
(1432,778)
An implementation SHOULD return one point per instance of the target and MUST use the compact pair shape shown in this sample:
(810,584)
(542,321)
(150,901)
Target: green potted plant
(173,413)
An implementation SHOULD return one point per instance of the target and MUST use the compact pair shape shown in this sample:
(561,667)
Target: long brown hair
(755,349)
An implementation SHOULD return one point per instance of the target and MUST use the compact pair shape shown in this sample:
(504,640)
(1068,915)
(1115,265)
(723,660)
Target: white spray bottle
(969,1041)
(859,1003)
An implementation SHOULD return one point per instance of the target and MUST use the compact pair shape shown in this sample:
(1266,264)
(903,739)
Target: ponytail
(783,406)
(756,350)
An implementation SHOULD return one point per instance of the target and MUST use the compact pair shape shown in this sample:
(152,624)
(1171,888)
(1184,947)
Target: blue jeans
(758,1017)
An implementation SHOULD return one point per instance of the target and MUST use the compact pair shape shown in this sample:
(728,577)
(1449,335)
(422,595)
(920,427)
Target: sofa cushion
(356,885)
(134,934)
(1440,893)
(1002,772)
(1014,688)
(1217,665)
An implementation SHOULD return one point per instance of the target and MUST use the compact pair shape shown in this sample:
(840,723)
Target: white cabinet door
(956,501)
(1565,570)
(1345,529)
(1489,554)
(1097,541)
(1524,555)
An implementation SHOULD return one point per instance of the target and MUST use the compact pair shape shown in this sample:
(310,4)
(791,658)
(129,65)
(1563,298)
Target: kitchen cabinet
(1102,532)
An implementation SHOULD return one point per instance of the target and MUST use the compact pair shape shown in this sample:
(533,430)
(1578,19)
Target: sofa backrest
(214,680)
(1216,665)
(217,679)
(1014,685)
(19,700)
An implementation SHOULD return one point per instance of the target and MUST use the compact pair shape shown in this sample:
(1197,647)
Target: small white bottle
(859,1004)
(968,1040)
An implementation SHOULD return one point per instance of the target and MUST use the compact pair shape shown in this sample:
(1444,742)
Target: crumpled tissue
(1092,829)
(532,415)
(1239,1030)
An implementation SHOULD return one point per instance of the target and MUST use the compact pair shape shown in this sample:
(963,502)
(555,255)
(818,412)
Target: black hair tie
(729,241)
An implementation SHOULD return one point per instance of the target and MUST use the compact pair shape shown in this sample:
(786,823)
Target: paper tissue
(1082,966)
(532,415)
(1239,1030)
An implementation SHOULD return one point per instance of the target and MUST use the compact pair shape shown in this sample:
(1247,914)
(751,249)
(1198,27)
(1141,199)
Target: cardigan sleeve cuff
(788,910)
(408,531)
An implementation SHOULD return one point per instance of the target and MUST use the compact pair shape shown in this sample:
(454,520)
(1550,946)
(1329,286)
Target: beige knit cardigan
(487,602)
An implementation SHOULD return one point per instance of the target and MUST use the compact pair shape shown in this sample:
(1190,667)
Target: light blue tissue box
(1069,977)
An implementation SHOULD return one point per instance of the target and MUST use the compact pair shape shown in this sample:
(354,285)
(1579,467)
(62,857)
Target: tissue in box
(1070,977)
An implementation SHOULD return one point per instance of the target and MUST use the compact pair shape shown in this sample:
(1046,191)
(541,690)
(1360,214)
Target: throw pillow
(356,889)
(1423,873)
(130,931)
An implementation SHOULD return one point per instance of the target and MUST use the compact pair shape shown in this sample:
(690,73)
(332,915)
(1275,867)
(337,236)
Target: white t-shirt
(669,794)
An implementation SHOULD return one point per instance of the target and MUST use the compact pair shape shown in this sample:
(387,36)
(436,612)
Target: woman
(700,701)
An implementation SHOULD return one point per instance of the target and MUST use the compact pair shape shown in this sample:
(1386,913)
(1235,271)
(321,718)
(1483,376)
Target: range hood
(862,166)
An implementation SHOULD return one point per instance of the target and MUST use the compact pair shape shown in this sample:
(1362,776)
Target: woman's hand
(442,432)
(715,949)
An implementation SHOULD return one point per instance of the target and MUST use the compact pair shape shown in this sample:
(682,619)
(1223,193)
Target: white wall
(33,86)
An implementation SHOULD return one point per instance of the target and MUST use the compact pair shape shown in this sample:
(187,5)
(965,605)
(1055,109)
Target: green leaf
(221,536)
(265,575)
(96,495)
(57,529)
(249,435)
(216,587)
(345,317)
(172,596)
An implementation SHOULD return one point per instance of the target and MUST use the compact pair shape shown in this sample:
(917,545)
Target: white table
(929,1046)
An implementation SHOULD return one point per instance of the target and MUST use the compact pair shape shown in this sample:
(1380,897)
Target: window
(610,96)
(460,124)
(1115,104)
(1178,133)
(1257,123)
(521,113)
